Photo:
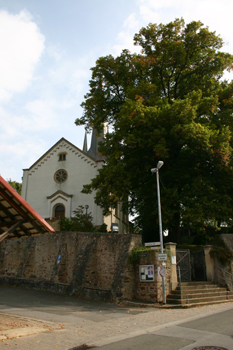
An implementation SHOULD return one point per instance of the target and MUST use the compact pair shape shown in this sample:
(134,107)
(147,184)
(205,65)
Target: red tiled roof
(14,210)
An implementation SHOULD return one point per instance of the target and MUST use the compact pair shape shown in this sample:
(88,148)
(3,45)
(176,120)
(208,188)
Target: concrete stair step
(189,305)
(199,300)
(195,283)
(197,286)
(201,290)
(199,293)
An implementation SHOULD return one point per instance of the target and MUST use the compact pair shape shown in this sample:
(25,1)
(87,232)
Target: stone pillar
(172,248)
(209,263)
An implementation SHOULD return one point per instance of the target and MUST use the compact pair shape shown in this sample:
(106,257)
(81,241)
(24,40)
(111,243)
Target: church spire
(85,143)
(93,150)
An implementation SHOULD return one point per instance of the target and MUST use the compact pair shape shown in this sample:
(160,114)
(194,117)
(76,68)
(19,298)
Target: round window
(61,176)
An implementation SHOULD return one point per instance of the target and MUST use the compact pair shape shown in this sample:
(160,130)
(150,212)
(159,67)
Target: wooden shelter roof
(17,217)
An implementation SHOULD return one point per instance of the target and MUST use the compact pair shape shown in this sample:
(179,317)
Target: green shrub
(80,222)
(134,256)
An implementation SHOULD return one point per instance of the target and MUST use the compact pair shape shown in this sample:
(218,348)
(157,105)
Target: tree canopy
(80,222)
(168,103)
(16,185)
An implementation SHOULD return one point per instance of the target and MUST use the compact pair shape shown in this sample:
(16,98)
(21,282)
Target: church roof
(55,145)
(17,217)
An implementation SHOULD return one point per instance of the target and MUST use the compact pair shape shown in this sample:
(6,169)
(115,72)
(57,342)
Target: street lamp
(156,170)
(86,207)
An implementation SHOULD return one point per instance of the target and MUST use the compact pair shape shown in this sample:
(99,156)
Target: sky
(47,48)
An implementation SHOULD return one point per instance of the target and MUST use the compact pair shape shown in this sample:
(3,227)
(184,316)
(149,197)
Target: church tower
(95,139)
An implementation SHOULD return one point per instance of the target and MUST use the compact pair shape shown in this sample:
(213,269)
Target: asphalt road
(69,322)
(215,330)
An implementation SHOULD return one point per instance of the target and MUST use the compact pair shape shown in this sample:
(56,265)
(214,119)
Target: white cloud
(38,117)
(131,21)
(124,38)
(41,115)
(23,153)
(124,41)
(149,14)
(67,81)
(17,139)
(21,47)
(55,52)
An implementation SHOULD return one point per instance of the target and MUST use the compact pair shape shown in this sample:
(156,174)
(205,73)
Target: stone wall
(228,239)
(150,291)
(91,264)
(216,271)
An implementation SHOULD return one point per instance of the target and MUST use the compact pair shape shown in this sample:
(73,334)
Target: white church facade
(53,184)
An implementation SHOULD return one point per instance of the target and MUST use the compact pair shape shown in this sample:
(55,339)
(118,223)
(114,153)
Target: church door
(59,211)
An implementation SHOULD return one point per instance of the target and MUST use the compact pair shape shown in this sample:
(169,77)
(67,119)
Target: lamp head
(165,233)
(160,164)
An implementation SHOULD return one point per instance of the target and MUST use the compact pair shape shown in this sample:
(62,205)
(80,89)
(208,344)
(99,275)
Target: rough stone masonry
(85,264)
(89,265)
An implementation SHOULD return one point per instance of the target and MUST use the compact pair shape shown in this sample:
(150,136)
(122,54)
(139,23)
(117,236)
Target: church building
(53,184)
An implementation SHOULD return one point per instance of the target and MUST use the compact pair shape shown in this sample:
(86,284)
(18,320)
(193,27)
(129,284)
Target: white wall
(39,183)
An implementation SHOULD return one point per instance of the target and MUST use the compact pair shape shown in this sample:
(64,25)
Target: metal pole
(160,232)
(86,207)
(159,212)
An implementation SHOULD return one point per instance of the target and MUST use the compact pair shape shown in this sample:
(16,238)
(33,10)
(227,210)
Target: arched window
(62,156)
(59,211)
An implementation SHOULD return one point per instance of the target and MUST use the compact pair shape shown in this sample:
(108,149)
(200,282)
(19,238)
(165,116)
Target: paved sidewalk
(67,322)
(13,326)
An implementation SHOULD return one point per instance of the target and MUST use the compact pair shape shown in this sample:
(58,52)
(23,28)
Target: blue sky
(47,50)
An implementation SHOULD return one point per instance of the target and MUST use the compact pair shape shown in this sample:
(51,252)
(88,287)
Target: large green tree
(167,103)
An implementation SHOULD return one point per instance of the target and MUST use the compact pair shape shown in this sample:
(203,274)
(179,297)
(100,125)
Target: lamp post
(86,207)
(156,170)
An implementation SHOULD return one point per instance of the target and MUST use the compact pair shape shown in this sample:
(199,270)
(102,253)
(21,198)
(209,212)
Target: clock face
(60,176)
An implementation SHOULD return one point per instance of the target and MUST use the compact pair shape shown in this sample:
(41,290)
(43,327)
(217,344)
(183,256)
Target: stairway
(198,293)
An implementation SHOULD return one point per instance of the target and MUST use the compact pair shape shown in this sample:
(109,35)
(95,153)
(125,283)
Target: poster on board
(146,273)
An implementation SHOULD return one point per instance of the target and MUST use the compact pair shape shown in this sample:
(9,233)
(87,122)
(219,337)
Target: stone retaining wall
(148,291)
(228,239)
(91,264)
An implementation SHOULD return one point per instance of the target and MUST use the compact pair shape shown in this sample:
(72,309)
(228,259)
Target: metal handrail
(179,276)
(228,283)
